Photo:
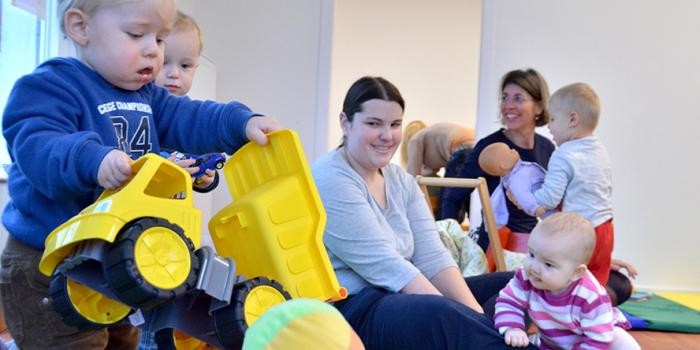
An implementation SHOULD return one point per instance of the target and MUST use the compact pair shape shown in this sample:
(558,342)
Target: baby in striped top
(567,304)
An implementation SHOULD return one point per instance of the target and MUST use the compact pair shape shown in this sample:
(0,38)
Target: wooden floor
(653,340)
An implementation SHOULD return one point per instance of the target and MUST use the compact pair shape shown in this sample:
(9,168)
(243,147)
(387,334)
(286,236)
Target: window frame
(50,43)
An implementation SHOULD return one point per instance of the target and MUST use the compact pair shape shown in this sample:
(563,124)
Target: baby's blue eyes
(183,66)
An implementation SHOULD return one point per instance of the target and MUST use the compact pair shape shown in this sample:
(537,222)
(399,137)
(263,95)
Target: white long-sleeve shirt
(580,178)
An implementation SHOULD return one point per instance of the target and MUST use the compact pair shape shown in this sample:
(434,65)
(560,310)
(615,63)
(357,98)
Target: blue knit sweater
(62,119)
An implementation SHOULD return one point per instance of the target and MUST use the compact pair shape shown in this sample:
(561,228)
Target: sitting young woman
(405,289)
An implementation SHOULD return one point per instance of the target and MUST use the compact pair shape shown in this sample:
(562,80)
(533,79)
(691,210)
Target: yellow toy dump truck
(134,251)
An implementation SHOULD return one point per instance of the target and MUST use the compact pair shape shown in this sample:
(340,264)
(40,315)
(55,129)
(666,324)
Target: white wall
(271,55)
(204,88)
(643,60)
(276,57)
(186,6)
(428,49)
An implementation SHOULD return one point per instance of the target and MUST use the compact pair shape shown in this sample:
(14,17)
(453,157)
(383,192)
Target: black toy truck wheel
(83,307)
(249,300)
(150,262)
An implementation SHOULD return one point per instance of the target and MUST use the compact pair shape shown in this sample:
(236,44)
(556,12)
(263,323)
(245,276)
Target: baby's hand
(516,337)
(205,180)
(114,170)
(258,126)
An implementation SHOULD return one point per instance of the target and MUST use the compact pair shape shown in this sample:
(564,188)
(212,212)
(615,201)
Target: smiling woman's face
(374,133)
(518,109)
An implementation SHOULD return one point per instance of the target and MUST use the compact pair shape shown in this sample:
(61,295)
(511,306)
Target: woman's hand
(448,283)
(452,285)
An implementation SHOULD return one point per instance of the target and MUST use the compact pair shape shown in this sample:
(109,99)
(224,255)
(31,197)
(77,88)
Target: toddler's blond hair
(87,6)
(183,23)
(579,98)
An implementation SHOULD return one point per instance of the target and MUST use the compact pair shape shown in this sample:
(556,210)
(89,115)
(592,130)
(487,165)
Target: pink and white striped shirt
(581,317)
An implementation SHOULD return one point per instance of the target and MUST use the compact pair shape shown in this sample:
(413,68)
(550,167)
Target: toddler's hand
(114,170)
(201,182)
(257,127)
(540,211)
(511,197)
(516,337)
(184,163)
(205,180)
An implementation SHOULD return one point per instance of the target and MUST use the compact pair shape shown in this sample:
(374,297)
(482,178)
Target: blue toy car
(204,161)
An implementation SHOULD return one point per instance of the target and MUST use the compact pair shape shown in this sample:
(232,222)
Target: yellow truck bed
(274,225)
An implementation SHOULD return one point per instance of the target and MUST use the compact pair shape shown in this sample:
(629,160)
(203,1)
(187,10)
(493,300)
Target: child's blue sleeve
(199,126)
(46,140)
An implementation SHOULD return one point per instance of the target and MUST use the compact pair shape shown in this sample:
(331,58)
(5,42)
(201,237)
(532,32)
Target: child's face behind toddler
(181,61)
(123,41)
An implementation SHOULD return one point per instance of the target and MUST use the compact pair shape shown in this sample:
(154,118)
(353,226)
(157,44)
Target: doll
(519,177)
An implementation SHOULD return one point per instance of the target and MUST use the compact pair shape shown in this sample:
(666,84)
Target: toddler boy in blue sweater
(73,126)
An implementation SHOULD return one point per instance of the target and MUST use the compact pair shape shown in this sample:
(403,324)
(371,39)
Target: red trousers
(601,260)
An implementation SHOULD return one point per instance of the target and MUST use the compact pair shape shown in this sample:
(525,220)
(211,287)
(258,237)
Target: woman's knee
(486,286)
(403,321)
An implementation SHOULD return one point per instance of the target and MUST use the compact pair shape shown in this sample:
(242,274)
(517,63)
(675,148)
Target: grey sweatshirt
(373,246)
